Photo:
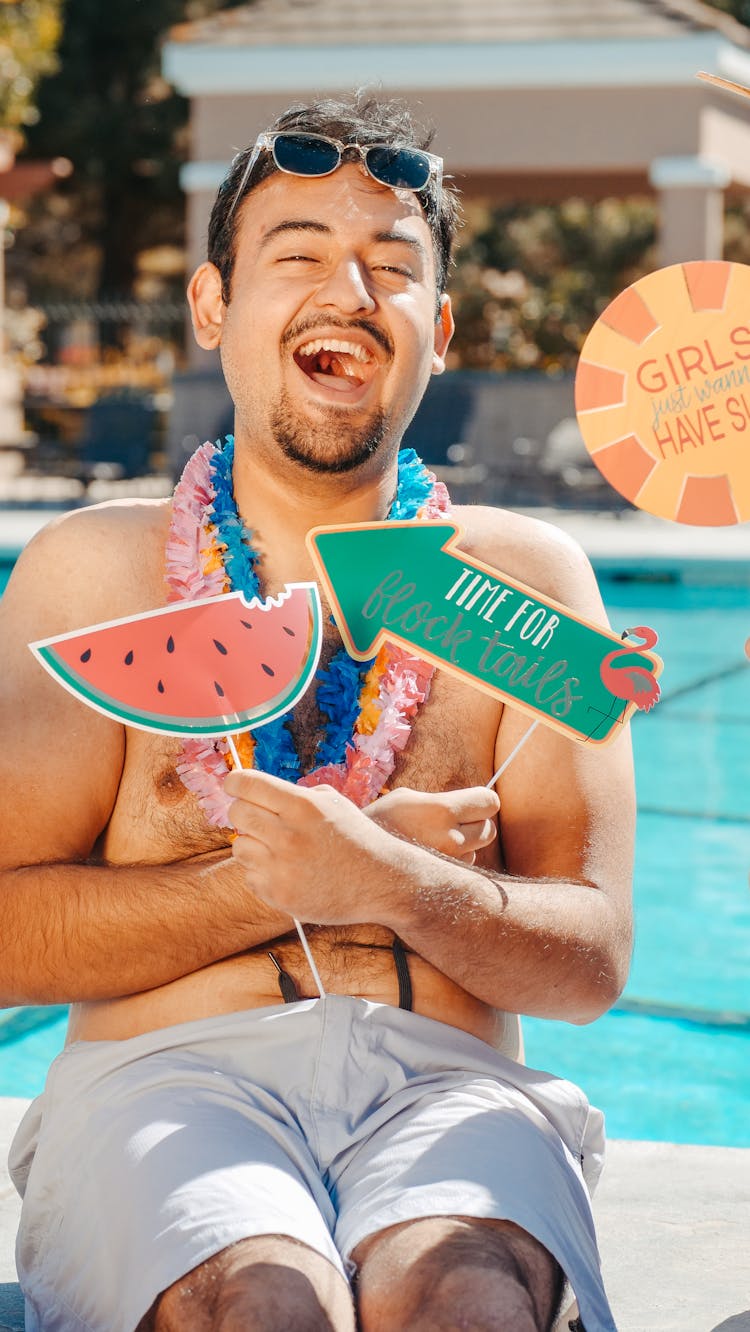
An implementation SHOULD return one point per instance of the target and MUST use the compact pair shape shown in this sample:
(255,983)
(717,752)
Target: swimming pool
(671,1062)
(682,1076)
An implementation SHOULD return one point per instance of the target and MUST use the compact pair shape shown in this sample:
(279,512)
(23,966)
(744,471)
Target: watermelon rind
(231,724)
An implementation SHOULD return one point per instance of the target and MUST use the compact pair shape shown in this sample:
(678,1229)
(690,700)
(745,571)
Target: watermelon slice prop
(214,666)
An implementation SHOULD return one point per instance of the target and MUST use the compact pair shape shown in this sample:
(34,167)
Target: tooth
(317,345)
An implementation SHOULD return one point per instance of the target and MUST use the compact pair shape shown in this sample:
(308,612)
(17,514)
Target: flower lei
(369,707)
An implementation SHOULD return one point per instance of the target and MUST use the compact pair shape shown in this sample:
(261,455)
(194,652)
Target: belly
(155,818)
(358,963)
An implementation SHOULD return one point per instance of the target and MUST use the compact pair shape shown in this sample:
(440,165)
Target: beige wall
(522,143)
(505,129)
(692,225)
(726,135)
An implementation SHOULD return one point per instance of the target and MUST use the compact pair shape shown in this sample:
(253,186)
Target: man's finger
(473,804)
(261,789)
(251,820)
(479,834)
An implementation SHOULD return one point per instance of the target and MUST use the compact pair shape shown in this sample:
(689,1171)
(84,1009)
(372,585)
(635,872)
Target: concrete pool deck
(673,1226)
(627,539)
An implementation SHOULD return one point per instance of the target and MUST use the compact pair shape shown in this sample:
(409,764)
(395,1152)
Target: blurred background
(586,151)
(587,154)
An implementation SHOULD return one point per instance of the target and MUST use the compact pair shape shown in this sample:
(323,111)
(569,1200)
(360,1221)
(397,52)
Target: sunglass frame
(267,140)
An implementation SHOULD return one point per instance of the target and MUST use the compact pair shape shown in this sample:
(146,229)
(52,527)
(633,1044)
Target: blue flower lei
(340,683)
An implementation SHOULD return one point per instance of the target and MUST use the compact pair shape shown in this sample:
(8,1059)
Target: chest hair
(307,723)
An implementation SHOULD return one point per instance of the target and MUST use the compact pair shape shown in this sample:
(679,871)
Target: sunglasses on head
(316,155)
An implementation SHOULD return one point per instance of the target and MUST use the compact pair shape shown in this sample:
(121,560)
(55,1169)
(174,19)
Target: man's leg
(442,1274)
(264,1284)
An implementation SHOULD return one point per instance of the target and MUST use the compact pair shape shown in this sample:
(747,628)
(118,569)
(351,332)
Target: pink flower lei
(393,689)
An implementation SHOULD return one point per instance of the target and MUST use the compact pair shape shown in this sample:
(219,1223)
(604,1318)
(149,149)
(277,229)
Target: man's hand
(312,853)
(456,823)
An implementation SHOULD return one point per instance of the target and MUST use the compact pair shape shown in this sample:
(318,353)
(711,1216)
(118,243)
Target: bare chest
(156,819)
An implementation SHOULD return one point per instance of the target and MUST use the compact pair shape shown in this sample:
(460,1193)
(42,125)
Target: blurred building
(533,102)
(563,97)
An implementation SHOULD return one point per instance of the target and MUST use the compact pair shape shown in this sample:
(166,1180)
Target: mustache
(378,335)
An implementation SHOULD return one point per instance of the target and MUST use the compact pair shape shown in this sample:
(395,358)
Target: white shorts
(325,1120)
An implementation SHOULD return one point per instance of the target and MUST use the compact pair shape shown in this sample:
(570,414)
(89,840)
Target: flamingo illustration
(633,684)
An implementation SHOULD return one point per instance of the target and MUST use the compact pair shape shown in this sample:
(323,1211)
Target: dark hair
(361,118)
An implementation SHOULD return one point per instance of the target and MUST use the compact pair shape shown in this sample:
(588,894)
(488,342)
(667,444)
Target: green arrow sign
(408,582)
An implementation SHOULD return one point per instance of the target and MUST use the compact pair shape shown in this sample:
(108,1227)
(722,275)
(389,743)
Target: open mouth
(336,363)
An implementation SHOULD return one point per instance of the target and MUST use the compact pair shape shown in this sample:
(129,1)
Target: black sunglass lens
(401,168)
(304,155)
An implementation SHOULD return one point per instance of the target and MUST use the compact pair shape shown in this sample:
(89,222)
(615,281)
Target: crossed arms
(550,937)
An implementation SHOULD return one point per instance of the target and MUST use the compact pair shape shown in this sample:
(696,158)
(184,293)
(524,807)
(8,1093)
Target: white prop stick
(496,776)
(297,926)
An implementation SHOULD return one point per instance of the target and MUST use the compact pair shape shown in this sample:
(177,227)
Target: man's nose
(346,288)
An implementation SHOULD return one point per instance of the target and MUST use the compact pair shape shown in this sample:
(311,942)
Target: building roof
(313,23)
(280,46)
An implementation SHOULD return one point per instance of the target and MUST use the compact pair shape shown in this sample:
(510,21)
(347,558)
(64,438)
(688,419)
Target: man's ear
(206,306)
(444,330)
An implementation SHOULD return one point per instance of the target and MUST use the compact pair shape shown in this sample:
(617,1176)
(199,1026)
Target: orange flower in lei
(207,545)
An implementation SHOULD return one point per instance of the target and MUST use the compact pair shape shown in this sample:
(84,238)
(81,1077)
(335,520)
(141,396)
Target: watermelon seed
(220,647)
(170,644)
(218,689)
(246,624)
(86,656)
(129,658)
(267,669)
(160,687)
(290,632)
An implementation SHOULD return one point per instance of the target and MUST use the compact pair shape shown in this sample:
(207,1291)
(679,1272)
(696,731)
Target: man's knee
(451,1273)
(258,1285)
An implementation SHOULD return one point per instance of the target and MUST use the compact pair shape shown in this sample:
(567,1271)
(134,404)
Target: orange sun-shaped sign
(663,393)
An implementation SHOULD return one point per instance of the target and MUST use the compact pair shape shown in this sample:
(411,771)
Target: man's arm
(553,947)
(552,935)
(72,930)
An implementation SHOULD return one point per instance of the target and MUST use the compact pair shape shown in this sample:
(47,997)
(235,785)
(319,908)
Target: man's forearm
(546,946)
(550,948)
(74,932)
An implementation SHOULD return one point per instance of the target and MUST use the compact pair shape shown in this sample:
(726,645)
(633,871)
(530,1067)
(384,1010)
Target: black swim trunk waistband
(291,995)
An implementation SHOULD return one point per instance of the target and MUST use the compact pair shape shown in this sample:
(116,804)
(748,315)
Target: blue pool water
(683,1076)
(667,1077)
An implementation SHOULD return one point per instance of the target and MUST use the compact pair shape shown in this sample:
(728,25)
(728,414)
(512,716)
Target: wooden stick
(496,777)
(297,925)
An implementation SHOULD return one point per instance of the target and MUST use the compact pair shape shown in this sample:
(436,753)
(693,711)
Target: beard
(331,447)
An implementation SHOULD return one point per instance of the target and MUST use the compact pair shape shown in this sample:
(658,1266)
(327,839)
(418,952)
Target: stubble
(331,446)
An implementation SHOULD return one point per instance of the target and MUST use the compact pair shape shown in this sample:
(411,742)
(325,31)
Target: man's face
(330,335)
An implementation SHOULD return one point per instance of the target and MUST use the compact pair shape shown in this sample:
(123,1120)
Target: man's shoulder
(106,560)
(118,518)
(114,525)
(528,550)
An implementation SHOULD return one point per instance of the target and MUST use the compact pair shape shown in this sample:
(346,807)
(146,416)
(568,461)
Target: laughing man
(225,1143)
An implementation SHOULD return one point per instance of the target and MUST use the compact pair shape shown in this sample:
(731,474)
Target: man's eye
(297,259)
(394,268)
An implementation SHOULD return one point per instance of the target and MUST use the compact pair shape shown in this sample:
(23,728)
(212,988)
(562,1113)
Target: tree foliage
(29,33)
(108,110)
(531,279)
(739,9)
